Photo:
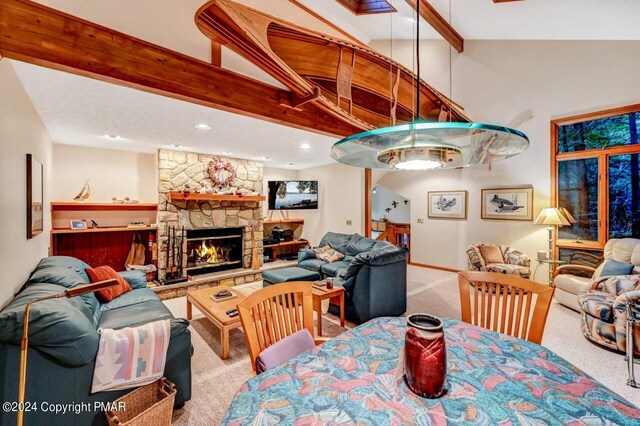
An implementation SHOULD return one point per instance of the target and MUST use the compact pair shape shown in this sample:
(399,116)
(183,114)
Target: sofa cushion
(335,268)
(102,273)
(312,264)
(284,350)
(503,268)
(135,278)
(61,327)
(133,297)
(66,262)
(358,244)
(336,241)
(490,253)
(572,283)
(132,315)
(597,304)
(613,267)
(58,275)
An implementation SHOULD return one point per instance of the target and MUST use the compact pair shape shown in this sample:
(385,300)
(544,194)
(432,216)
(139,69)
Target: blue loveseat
(63,342)
(373,274)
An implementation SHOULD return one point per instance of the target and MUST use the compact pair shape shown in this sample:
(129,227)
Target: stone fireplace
(230,228)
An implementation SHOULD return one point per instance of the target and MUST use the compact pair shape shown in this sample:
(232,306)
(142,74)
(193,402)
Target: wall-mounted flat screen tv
(293,194)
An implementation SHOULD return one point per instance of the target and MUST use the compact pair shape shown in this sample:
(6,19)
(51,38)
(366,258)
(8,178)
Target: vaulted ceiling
(169,23)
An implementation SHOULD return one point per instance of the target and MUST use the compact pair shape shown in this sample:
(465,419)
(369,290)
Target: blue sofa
(373,274)
(63,342)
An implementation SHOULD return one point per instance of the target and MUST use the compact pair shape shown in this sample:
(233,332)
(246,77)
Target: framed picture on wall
(447,204)
(35,190)
(507,203)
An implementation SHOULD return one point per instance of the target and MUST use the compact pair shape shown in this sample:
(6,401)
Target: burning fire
(208,254)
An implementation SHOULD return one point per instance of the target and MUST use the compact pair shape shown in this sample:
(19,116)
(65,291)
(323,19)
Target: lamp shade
(552,216)
(566,214)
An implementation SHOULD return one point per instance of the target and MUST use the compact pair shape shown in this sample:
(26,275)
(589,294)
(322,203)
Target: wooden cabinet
(110,242)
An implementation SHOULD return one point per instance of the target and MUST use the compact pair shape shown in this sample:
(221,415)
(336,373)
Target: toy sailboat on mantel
(84,194)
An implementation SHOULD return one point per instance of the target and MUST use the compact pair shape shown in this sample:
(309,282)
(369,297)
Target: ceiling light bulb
(305,146)
(202,126)
(175,145)
(227,152)
(112,137)
(266,158)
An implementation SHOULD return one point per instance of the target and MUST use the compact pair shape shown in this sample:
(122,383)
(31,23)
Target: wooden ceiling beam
(327,22)
(433,18)
(36,34)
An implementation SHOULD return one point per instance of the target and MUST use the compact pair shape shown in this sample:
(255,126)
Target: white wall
(111,173)
(340,199)
(21,132)
(499,82)
(382,199)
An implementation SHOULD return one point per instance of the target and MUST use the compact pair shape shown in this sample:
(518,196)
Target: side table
(633,319)
(552,266)
(322,293)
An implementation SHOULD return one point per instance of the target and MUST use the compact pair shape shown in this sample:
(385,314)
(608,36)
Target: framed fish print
(447,204)
(507,203)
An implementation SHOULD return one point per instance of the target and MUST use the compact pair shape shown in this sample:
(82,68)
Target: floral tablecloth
(492,379)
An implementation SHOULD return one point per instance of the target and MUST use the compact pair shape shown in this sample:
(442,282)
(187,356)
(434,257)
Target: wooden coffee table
(322,293)
(216,312)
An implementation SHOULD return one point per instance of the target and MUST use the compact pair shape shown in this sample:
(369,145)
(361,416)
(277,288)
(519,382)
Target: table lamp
(554,216)
(24,345)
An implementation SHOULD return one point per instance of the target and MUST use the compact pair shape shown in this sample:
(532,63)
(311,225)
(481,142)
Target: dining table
(492,378)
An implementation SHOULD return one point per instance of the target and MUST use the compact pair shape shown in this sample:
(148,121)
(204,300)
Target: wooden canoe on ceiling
(350,81)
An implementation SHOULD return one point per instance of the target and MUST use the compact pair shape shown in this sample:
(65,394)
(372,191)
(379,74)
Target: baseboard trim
(441,268)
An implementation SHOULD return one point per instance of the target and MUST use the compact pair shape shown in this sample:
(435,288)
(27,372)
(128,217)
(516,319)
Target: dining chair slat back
(505,303)
(273,313)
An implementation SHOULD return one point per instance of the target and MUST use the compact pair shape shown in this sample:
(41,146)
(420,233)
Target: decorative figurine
(84,194)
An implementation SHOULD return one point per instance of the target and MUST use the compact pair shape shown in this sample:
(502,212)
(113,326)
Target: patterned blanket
(492,379)
(131,357)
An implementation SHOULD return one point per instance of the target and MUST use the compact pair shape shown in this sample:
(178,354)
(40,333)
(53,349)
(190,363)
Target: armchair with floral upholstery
(603,316)
(498,258)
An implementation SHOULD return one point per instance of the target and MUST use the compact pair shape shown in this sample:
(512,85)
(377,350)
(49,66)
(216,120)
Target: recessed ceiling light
(202,126)
(266,158)
(227,152)
(305,146)
(176,145)
(291,164)
(114,137)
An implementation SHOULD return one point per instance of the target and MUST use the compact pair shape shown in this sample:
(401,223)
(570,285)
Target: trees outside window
(595,167)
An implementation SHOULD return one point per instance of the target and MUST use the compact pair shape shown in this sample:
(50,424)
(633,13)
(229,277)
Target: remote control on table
(232,312)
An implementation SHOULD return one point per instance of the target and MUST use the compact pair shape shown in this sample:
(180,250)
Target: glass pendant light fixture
(429,145)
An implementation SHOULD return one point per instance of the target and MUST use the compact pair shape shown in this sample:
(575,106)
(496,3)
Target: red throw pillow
(102,273)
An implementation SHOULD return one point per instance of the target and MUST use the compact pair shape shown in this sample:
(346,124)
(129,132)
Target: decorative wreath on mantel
(221,172)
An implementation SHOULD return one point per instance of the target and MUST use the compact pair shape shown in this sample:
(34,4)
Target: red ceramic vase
(425,355)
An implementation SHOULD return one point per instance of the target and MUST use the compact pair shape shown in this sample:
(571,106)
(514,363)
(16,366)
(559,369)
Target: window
(596,176)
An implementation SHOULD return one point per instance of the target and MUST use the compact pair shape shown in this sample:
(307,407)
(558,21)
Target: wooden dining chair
(503,303)
(275,312)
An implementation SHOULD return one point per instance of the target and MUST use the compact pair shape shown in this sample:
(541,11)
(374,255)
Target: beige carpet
(215,382)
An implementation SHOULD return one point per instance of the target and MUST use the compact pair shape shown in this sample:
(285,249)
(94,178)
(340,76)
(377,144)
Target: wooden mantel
(179,196)
(37,34)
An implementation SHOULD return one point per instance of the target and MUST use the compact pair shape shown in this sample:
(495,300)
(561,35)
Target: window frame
(603,172)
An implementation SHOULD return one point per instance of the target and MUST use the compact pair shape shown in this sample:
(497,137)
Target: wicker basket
(148,405)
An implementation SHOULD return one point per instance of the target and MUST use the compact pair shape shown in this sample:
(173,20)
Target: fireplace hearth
(211,250)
